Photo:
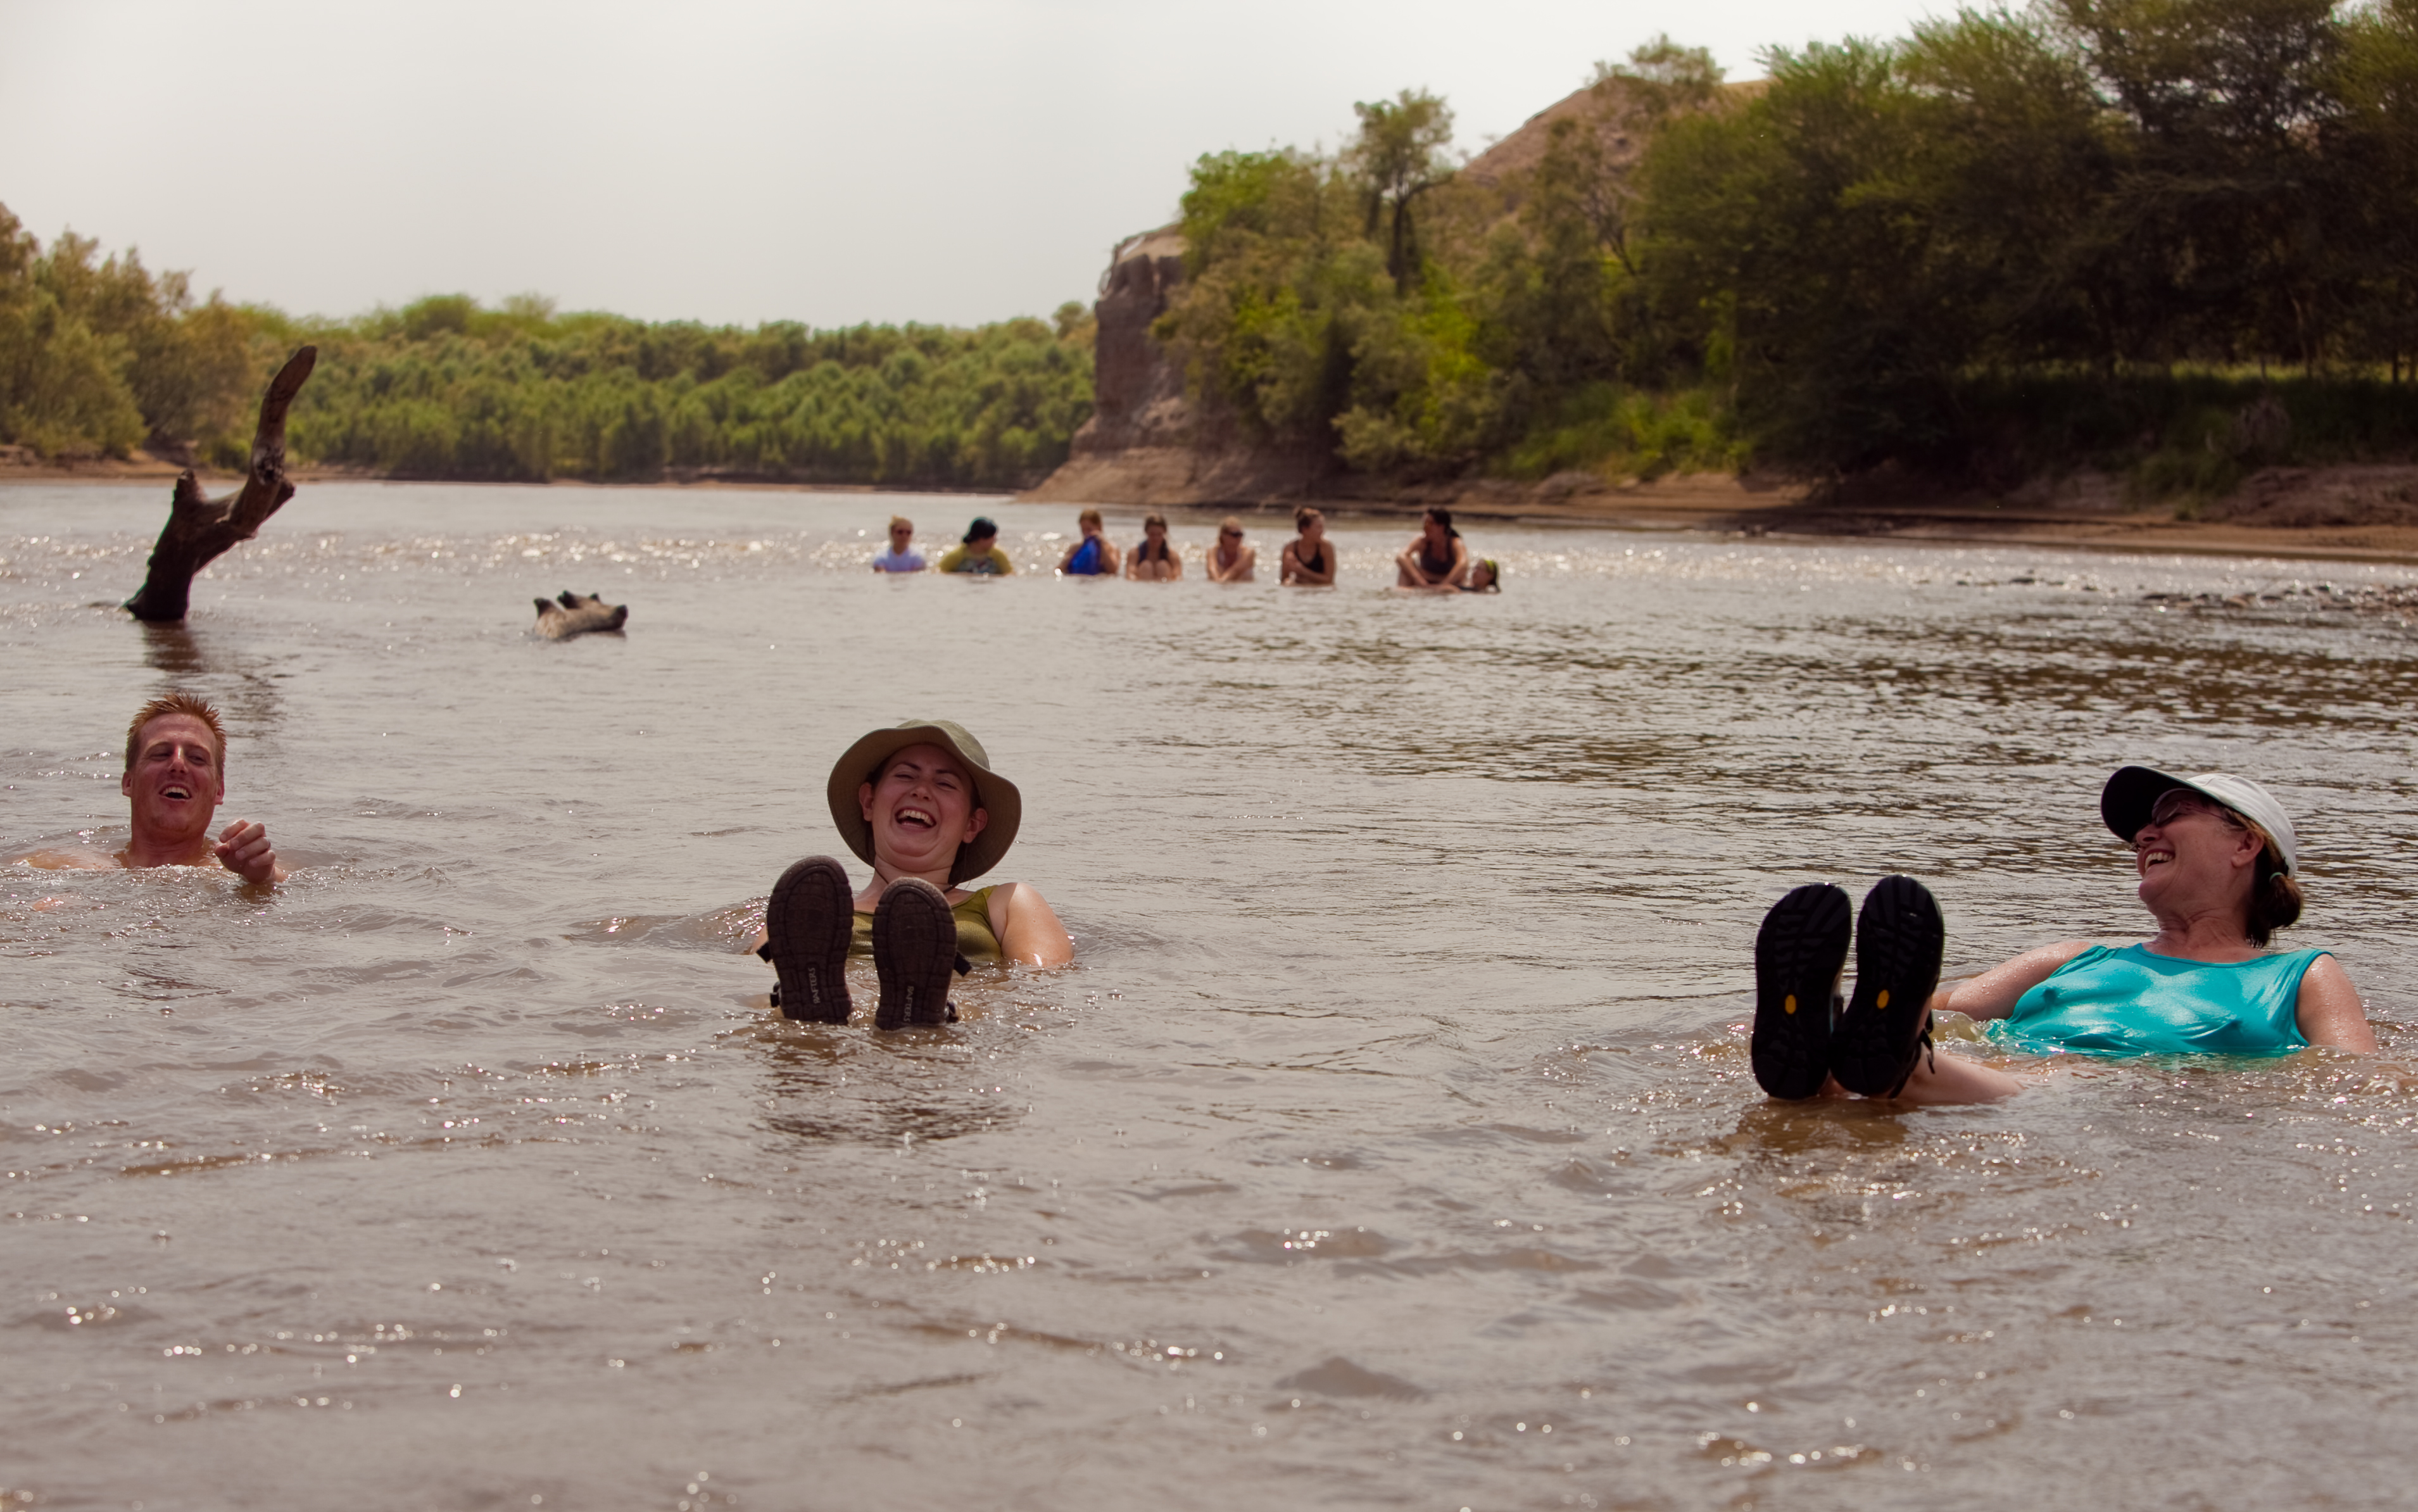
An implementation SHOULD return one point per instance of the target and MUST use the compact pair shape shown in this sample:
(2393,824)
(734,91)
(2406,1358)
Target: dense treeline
(2175,235)
(97,355)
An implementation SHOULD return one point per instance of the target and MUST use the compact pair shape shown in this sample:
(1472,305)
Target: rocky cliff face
(1148,444)
(1138,395)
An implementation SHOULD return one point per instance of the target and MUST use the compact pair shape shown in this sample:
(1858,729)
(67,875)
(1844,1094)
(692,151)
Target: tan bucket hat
(862,762)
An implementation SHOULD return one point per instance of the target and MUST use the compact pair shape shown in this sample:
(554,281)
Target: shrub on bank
(97,357)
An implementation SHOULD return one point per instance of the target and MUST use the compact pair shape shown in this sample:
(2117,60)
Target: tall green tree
(1401,154)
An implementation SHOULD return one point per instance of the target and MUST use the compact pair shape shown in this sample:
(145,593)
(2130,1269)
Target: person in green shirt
(979,555)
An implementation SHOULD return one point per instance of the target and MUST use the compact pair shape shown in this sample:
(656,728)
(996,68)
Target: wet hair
(2276,896)
(1444,517)
(1088,517)
(1494,574)
(177,703)
(2274,893)
(1165,547)
(1302,516)
(977,530)
(900,522)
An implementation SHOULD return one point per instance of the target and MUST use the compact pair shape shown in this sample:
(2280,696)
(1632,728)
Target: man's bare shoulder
(71,861)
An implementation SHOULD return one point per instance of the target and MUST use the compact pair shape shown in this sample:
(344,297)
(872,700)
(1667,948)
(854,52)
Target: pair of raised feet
(1802,1036)
(809,923)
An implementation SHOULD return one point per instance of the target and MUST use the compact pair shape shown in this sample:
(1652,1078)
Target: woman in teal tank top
(2134,1002)
(2217,865)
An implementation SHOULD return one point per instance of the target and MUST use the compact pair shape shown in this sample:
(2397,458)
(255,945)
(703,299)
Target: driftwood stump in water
(198,528)
(572,615)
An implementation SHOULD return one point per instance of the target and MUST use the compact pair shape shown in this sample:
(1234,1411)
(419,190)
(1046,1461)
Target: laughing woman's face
(922,809)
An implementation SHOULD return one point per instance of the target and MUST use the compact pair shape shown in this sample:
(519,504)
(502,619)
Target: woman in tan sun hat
(919,800)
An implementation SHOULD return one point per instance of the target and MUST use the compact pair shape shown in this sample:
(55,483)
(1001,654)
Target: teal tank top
(2130,1002)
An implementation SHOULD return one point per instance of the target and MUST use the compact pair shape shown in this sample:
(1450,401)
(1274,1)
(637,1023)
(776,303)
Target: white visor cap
(2129,796)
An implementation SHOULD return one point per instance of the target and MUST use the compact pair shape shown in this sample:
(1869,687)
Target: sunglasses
(2176,802)
(1235,535)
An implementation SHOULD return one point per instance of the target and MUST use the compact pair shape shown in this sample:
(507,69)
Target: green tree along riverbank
(98,356)
(2173,238)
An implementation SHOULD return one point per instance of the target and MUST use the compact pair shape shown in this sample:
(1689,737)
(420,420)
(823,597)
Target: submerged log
(198,528)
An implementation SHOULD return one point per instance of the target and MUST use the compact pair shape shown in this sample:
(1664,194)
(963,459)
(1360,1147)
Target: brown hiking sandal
(915,954)
(808,922)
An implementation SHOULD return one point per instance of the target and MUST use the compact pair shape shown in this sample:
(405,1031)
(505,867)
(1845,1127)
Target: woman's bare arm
(1297,571)
(1993,993)
(1027,928)
(2330,1012)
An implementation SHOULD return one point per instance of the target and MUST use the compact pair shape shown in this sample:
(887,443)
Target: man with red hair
(175,778)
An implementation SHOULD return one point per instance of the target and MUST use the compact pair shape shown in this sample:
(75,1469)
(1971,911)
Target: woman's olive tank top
(975,941)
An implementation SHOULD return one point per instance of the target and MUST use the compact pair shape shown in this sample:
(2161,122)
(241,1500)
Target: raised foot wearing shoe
(1887,1026)
(806,924)
(914,953)
(1798,954)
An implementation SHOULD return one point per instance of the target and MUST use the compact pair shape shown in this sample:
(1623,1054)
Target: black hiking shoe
(808,922)
(915,954)
(1899,936)
(1798,954)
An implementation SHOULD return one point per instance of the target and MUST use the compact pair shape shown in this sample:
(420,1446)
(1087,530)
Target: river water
(1391,1144)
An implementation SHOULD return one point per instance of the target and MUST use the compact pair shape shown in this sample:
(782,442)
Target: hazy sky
(738,161)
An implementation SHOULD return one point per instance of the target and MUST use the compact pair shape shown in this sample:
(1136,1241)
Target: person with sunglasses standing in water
(902,556)
(1231,561)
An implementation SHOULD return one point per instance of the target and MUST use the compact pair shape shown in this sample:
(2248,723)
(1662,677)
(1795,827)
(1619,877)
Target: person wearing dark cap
(2218,866)
(919,802)
(979,555)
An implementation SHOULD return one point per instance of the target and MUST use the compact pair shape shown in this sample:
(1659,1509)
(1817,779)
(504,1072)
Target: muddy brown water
(1391,1144)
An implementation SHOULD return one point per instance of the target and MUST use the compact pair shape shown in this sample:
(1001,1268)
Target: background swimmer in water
(1153,560)
(1091,555)
(1231,561)
(1309,558)
(1436,557)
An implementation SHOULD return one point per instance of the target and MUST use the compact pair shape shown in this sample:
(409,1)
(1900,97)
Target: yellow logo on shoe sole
(1881,1001)
(1788,1004)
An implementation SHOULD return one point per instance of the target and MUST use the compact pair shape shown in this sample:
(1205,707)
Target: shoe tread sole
(915,954)
(1798,954)
(1899,939)
(809,919)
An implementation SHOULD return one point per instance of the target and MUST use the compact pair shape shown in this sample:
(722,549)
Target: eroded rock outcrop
(1147,443)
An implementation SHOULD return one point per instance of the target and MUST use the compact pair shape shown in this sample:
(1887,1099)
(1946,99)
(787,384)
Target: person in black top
(1153,560)
(1307,558)
(1436,558)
